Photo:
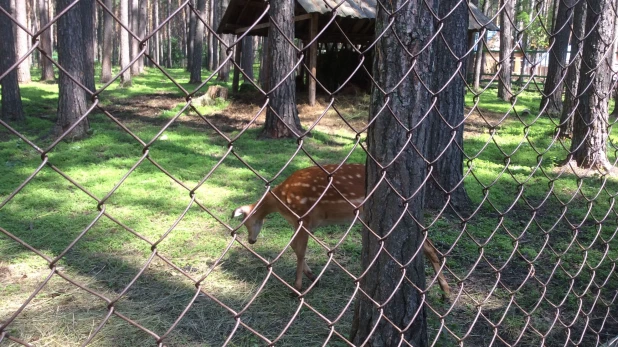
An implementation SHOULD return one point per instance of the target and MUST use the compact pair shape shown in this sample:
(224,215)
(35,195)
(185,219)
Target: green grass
(50,212)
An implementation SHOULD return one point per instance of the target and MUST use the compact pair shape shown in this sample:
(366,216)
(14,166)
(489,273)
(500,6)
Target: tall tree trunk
(125,57)
(47,68)
(108,32)
(264,64)
(389,311)
(479,65)
(551,102)
(198,38)
(213,60)
(12,109)
(169,35)
(72,36)
(134,18)
(614,61)
(572,79)
(88,10)
(157,36)
(183,35)
(247,58)
(446,185)
(211,37)
(141,32)
(224,73)
(506,49)
(21,15)
(282,116)
(191,27)
(590,127)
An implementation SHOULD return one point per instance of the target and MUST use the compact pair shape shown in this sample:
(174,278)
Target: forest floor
(517,263)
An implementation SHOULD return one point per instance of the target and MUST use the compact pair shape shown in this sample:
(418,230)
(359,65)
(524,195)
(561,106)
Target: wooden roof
(355,18)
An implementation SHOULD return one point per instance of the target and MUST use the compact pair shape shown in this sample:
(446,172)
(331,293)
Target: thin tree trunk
(157,36)
(479,65)
(125,58)
(141,32)
(392,263)
(108,32)
(183,34)
(47,68)
(198,38)
(264,64)
(590,127)
(247,58)
(213,43)
(191,28)
(551,101)
(282,116)
(211,37)
(12,109)
(21,14)
(446,185)
(614,60)
(572,79)
(169,35)
(72,36)
(134,17)
(88,9)
(506,49)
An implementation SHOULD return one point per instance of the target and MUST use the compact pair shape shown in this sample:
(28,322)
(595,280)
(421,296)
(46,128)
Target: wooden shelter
(354,23)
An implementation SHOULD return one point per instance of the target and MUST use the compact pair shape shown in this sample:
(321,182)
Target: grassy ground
(543,266)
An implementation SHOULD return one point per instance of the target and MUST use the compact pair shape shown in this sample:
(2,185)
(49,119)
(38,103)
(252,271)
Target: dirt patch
(479,122)
(346,114)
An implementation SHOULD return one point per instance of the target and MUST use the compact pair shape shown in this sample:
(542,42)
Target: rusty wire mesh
(559,289)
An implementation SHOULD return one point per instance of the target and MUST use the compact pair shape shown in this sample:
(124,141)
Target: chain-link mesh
(529,257)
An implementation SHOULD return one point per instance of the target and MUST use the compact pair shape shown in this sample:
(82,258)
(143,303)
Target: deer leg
(299,245)
(431,254)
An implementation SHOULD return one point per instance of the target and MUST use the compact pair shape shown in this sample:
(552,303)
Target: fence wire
(538,270)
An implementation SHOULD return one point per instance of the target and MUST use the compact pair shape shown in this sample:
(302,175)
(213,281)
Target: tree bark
(572,79)
(247,58)
(141,32)
(479,65)
(72,36)
(191,27)
(125,58)
(213,59)
(134,17)
(21,15)
(88,10)
(391,257)
(551,101)
(169,36)
(282,116)
(506,49)
(590,127)
(12,109)
(108,32)
(236,78)
(198,38)
(157,35)
(47,68)
(614,61)
(264,64)
(445,148)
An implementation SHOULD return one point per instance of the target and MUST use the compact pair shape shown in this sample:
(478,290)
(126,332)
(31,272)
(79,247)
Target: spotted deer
(301,194)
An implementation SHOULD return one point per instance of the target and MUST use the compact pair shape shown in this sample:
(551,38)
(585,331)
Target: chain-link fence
(516,213)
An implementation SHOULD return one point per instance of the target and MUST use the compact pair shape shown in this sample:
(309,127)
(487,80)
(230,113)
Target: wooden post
(236,80)
(313,57)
